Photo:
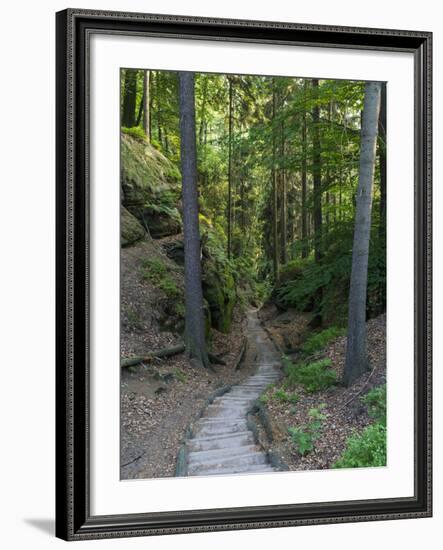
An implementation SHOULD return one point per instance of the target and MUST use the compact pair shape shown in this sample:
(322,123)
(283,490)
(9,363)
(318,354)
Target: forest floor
(161,398)
(345,414)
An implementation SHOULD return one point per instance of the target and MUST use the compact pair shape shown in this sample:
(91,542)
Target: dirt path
(222,442)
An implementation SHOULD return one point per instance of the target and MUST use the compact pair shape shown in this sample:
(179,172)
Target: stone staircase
(222,443)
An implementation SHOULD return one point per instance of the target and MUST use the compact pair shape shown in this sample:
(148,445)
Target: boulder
(219,291)
(131,229)
(160,224)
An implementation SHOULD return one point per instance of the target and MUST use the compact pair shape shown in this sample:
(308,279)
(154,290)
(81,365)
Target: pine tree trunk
(304,214)
(129,98)
(194,318)
(146,103)
(382,158)
(316,175)
(229,214)
(284,203)
(274,190)
(356,352)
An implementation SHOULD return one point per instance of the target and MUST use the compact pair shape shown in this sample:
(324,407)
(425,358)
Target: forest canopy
(277,173)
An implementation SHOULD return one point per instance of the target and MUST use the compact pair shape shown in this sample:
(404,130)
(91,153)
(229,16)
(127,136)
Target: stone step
(234,401)
(220,428)
(203,457)
(220,441)
(247,459)
(256,469)
(225,411)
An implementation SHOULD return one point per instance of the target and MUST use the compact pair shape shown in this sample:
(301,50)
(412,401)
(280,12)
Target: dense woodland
(279,184)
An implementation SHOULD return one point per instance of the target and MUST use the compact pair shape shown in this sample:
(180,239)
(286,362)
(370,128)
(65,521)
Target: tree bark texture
(316,174)
(129,99)
(194,317)
(356,351)
(274,190)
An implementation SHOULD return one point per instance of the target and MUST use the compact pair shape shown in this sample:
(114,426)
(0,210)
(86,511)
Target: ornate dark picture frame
(74,520)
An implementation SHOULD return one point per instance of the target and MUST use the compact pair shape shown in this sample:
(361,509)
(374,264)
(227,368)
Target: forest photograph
(252,274)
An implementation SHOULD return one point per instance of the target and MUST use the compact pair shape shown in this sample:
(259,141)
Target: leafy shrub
(281,395)
(320,340)
(375,400)
(365,450)
(312,376)
(304,437)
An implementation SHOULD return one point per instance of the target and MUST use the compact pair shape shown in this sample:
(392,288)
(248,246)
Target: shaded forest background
(277,174)
(252,195)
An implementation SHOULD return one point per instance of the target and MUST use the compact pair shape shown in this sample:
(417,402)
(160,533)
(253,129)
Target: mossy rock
(219,291)
(131,230)
(150,186)
(160,224)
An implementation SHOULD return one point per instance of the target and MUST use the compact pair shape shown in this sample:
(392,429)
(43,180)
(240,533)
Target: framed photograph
(243,274)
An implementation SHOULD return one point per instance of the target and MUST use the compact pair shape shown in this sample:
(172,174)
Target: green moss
(135,132)
(131,230)
(155,271)
(150,184)
(219,291)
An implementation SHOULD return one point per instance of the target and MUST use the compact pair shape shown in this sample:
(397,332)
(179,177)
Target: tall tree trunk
(284,202)
(140,112)
(316,174)
(129,98)
(203,111)
(356,352)
(194,317)
(304,213)
(146,103)
(382,158)
(159,108)
(274,190)
(229,215)
(151,102)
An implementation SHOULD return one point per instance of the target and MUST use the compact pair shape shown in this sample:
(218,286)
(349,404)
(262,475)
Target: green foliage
(375,400)
(180,375)
(264,398)
(365,450)
(168,286)
(155,271)
(135,132)
(151,186)
(312,376)
(304,437)
(285,397)
(219,285)
(319,340)
(369,447)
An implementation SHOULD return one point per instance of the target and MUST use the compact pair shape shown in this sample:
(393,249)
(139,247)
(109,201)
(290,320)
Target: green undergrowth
(279,395)
(304,437)
(322,287)
(313,377)
(319,340)
(368,448)
(158,274)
